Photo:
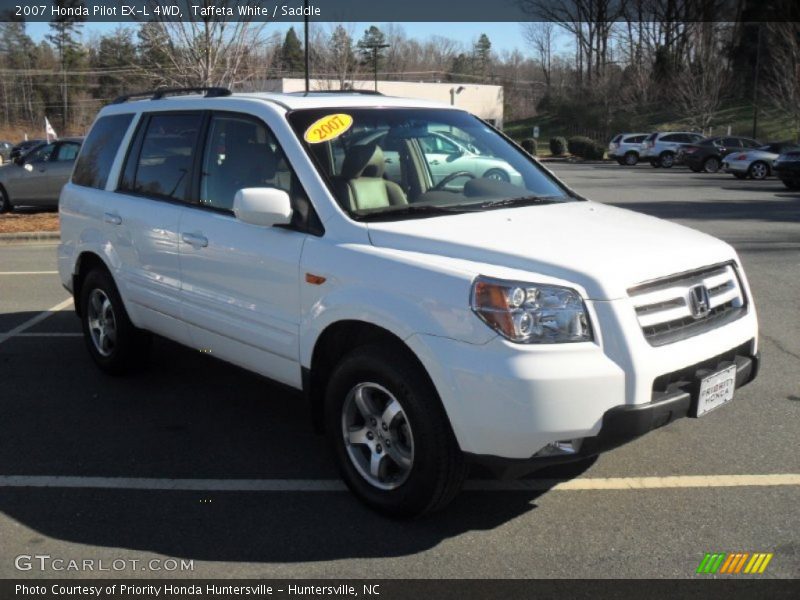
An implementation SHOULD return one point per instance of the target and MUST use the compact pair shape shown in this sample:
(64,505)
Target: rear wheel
(667,159)
(711,165)
(655,163)
(758,170)
(114,343)
(631,158)
(390,434)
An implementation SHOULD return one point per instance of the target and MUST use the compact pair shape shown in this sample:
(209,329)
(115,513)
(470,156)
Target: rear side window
(162,166)
(99,151)
(67,152)
(635,139)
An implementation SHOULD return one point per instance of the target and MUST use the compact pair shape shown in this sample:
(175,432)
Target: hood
(604,249)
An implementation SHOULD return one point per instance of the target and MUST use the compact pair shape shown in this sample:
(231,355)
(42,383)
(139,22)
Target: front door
(240,282)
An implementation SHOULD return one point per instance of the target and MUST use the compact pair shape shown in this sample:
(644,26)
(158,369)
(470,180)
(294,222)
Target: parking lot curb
(29,236)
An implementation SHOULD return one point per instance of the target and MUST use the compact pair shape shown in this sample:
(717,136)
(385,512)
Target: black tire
(5,203)
(695,169)
(758,170)
(792,184)
(740,175)
(655,163)
(711,164)
(497,175)
(631,158)
(438,467)
(131,346)
(620,161)
(666,160)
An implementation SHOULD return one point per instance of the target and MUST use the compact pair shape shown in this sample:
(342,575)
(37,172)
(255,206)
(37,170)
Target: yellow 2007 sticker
(328,128)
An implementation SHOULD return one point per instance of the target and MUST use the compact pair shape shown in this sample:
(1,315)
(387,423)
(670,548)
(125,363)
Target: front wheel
(667,159)
(631,158)
(497,175)
(792,184)
(390,435)
(114,343)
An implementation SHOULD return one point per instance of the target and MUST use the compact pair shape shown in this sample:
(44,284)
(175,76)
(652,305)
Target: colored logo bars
(734,563)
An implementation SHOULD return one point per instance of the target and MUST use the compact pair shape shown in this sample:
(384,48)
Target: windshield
(401,162)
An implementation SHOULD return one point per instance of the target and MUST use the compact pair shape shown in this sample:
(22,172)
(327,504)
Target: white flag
(50,133)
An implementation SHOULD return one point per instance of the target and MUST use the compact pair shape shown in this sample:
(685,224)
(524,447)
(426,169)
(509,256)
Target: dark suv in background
(707,155)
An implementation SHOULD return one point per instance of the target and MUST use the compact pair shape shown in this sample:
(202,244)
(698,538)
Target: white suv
(431,325)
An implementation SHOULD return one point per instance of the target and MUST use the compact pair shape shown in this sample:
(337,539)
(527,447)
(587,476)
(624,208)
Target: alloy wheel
(102,322)
(377,436)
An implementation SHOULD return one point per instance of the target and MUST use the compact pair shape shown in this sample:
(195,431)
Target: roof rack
(351,91)
(209,92)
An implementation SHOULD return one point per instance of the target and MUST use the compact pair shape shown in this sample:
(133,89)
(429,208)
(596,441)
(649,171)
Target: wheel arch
(337,340)
(86,261)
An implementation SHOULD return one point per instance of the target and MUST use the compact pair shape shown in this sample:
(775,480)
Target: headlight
(531,313)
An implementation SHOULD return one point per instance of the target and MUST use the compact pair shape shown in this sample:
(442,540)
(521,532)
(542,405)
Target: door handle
(195,240)
(112,219)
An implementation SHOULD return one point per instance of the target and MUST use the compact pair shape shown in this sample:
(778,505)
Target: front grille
(664,307)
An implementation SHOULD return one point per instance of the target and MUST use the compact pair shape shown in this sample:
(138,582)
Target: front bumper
(625,423)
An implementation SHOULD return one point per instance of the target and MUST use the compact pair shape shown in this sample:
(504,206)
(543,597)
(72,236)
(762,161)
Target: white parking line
(53,334)
(34,320)
(334,485)
(28,272)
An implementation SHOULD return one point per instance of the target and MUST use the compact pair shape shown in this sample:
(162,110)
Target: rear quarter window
(99,150)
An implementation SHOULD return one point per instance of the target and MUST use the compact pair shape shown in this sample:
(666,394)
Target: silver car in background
(36,179)
(757,163)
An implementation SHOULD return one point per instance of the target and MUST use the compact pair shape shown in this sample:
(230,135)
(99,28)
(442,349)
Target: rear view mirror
(262,206)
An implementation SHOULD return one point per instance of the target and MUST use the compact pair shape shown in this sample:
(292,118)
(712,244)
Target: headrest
(363,161)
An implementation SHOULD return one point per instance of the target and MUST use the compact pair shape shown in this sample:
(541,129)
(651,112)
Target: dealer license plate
(716,390)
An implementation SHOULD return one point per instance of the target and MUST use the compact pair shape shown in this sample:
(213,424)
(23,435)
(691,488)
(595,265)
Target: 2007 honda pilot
(434,318)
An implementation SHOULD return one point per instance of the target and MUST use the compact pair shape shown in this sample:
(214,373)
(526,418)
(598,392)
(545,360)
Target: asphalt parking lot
(149,457)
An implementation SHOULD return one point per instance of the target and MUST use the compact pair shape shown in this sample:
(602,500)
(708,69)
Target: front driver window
(41,155)
(240,153)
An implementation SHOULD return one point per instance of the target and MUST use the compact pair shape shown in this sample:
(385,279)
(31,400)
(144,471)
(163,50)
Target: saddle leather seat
(361,181)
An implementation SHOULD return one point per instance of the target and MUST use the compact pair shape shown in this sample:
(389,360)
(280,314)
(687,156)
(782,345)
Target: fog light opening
(561,448)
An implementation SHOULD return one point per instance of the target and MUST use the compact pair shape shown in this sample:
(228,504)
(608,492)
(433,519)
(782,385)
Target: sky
(504,36)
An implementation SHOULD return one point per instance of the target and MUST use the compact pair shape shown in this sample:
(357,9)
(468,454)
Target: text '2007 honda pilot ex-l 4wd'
(432,320)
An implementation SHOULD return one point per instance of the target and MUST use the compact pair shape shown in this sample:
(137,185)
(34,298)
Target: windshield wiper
(412,210)
(520,201)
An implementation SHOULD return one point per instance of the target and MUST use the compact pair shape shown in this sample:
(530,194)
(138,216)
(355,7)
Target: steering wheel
(438,187)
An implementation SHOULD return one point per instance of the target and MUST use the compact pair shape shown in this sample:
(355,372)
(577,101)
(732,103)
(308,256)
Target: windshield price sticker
(328,128)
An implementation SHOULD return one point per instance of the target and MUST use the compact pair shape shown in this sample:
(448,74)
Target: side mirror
(262,206)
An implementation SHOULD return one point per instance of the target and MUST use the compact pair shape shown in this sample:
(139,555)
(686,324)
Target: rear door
(241,288)
(143,217)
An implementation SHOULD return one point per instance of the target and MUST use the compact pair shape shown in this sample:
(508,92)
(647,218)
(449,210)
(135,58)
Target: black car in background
(23,148)
(5,152)
(707,154)
(787,168)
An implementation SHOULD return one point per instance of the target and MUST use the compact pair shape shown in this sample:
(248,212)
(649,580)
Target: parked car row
(742,157)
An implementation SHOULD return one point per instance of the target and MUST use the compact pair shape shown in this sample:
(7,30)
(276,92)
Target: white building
(485,101)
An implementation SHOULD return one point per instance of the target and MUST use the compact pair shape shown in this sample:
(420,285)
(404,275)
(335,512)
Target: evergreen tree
(368,48)
(482,55)
(292,58)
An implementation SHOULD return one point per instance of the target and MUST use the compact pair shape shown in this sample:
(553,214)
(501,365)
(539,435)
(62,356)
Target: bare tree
(783,75)
(540,35)
(205,49)
(698,89)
